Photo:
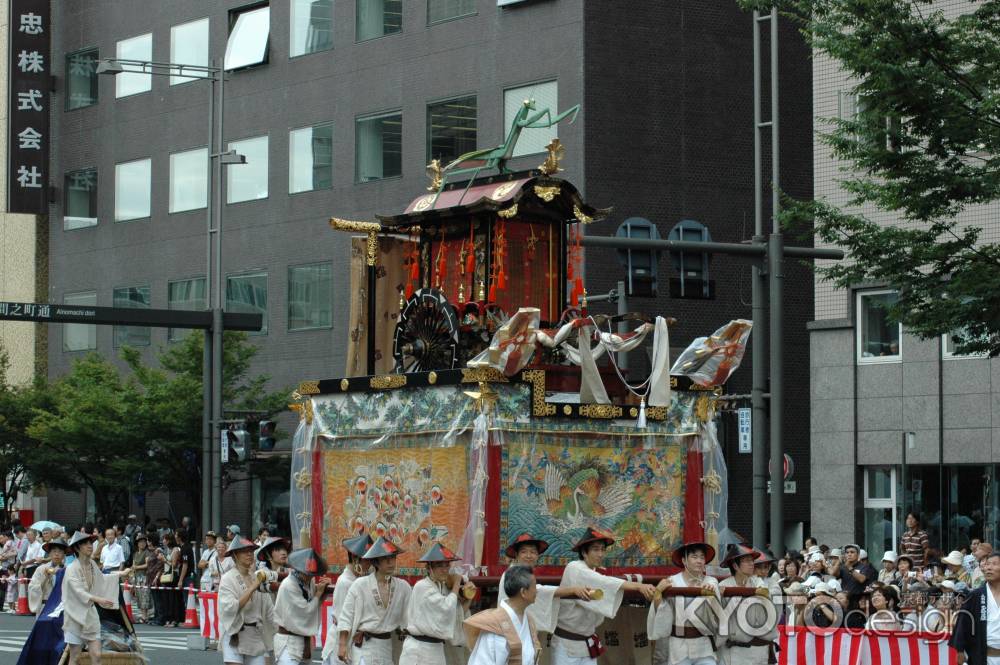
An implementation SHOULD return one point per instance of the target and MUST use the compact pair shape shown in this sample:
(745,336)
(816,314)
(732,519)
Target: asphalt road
(163,646)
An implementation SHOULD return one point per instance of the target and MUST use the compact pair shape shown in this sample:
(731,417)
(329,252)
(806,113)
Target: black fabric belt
(566,635)
(249,625)
(424,638)
(688,633)
(283,631)
(755,642)
(376,636)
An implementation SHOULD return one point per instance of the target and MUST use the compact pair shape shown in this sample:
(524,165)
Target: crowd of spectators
(164,560)
(915,587)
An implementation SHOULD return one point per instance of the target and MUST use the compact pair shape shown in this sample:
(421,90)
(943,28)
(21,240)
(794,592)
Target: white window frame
(949,355)
(873,360)
(882,503)
(554,129)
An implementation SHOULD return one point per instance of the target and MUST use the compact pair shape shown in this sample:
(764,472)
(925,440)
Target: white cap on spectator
(816,556)
(889,556)
(834,585)
(836,552)
(812,549)
(863,554)
(954,558)
(823,588)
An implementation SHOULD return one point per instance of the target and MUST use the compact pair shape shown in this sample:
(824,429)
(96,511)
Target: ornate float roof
(521,194)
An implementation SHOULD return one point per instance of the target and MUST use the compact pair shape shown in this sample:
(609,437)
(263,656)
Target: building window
(377,18)
(882,510)
(692,271)
(442,10)
(248,294)
(310,158)
(187,294)
(81,79)
(311,26)
(545,96)
(80,336)
(132,189)
(129,82)
(249,35)
(451,129)
(248,182)
(878,337)
(949,346)
(80,199)
(379,147)
(136,297)
(310,303)
(188,180)
(189,46)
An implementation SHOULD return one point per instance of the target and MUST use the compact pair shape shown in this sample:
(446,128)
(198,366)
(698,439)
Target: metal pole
(217,309)
(622,326)
(206,362)
(758,349)
(774,278)
(775,254)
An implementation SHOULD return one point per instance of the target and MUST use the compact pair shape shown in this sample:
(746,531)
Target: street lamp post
(211,486)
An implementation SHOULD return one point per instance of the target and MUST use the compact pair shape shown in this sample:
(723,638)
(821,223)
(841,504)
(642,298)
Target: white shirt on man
(992,622)
(491,649)
(112,556)
(34,551)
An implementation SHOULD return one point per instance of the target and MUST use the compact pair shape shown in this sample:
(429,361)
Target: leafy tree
(923,147)
(170,407)
(91,426)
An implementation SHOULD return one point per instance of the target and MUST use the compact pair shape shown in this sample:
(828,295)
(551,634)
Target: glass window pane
(311,26)
(376,18)
(441,10)
(310,158)
(136,48)
(310,303)
(80,199)
(879,335)
(189,180)
(545,96)
(879,484)
(189,46)
(379,147)
(879,532)
(248,39)
(187,294)
(451,129)
(248,182)
(135,297)
(248,294)
(80,336)
(132,189)
(81,79)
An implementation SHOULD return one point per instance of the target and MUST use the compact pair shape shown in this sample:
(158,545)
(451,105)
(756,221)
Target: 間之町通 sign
(29,76)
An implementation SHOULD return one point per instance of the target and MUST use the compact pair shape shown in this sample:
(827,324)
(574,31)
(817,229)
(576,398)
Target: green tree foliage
(923,147)
(142,431)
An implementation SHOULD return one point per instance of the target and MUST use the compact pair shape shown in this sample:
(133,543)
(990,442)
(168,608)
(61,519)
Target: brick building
(339,106)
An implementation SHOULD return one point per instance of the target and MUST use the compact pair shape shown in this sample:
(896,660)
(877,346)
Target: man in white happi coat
(356,567)
(297,608)
(272,567)
(506,634)
(42,582)
(81,623)
(375,607)
(244,615)
(689,625)
(438,606)
(747,638)
(575,640)
(525,551)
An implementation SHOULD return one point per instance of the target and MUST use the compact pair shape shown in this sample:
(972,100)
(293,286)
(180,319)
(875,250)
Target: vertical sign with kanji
(29,73)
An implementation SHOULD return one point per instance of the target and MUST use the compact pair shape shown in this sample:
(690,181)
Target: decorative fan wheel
(427,333)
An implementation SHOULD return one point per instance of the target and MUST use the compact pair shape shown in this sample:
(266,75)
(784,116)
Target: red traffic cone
(22,598)
(191,613)
(127,593)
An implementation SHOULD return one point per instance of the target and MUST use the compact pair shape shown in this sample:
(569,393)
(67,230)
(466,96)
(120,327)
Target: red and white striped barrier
(325,623)
(209,615)
(805,646)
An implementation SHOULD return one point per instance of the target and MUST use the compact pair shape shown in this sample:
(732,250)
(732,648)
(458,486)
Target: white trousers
(416,652)
(745,655)
(560,657)
(372,652)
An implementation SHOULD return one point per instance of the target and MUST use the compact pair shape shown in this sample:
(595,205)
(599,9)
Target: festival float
(484,400)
